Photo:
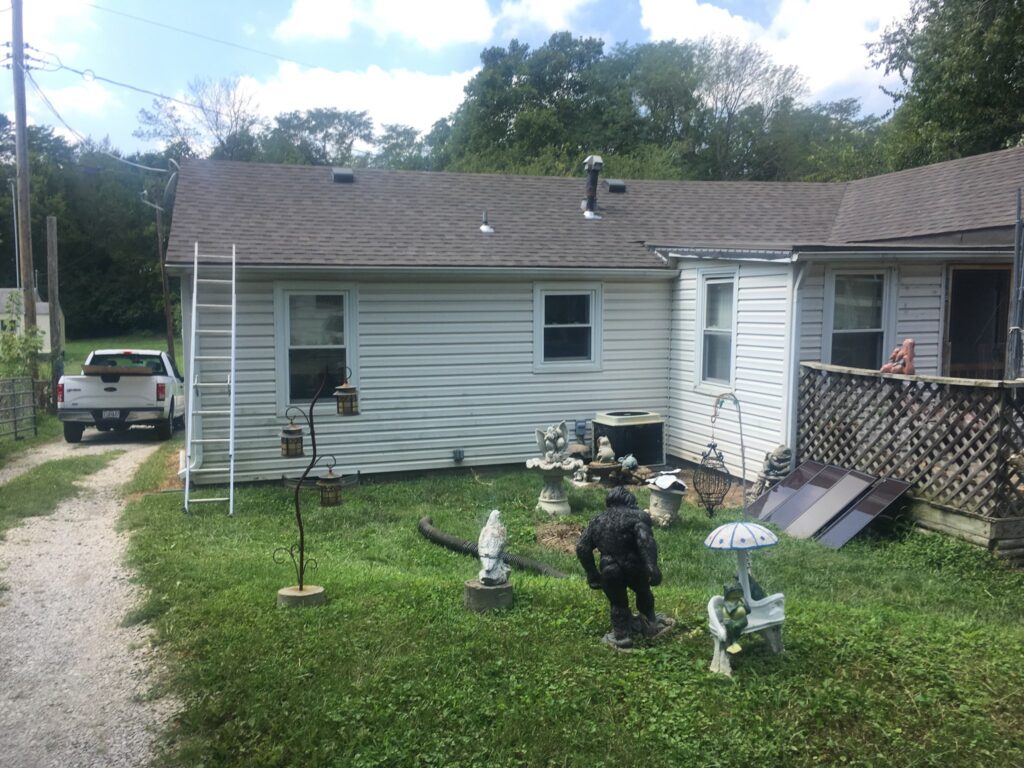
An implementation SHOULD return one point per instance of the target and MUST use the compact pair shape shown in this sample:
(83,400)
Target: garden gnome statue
(491,588)
(629,560)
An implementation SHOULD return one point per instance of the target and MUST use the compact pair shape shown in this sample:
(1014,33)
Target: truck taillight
(161,391)
(60,393)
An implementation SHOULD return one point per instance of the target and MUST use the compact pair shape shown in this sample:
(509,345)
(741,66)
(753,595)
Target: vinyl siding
(761,380)
(917,297)
(440,366)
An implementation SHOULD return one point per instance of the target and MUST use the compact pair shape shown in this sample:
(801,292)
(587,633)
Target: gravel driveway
(73,682)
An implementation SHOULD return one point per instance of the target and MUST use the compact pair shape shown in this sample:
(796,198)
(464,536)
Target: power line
(202,36)
(53,109)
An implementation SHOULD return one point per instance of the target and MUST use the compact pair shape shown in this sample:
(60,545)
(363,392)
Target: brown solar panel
(863,511)
(805,497)
(846,490)
(763,505)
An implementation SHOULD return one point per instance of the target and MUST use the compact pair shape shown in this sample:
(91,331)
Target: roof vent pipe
(593,165)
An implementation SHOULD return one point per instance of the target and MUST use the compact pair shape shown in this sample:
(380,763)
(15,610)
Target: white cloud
(390,96)
(553,15)
(463,21)
(825,39)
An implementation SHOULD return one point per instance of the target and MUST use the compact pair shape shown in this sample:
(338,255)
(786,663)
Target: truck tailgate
(126,392)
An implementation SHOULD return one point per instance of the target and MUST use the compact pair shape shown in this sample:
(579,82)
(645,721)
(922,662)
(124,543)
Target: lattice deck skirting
(959,442)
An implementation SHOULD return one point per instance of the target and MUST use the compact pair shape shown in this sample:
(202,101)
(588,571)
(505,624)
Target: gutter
(793,414)
(418,273)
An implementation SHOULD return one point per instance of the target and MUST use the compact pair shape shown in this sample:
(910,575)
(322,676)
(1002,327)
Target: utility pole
(53,296)
(161,254)
(21,153)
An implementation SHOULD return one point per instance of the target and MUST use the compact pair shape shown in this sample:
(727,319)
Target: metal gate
(17,409)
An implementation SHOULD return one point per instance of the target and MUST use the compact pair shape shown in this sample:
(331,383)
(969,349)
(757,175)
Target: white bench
(766,616)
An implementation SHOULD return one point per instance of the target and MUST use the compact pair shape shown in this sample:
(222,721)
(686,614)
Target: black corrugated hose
(465,547)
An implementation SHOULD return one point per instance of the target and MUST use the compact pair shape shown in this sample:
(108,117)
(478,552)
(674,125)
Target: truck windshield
(130,361)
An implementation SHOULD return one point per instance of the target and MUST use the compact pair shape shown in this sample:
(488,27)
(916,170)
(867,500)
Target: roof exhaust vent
(343,175)
(486,228)
(616,186)
(593,165)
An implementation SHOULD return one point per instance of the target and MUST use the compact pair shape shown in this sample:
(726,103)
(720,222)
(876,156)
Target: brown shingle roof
(960,195)
(288,214)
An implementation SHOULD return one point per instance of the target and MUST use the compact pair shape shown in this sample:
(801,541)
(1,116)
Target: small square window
(567,328)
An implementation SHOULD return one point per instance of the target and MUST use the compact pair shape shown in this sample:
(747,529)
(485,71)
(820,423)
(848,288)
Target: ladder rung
(213,357)
(214,280)
(214,306)
(211,384)
(213,256)
(213,332)
(211,440)
(207,501)
(212,413)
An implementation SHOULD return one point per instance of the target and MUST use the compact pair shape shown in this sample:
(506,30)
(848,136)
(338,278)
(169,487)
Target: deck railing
(17,408)
(959,442)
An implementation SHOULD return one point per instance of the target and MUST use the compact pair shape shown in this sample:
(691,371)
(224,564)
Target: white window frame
(888,329)
(705,278)
(282,292)
(595,292)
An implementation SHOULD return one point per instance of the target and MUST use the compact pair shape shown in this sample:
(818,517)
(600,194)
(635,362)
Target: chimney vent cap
(593,163)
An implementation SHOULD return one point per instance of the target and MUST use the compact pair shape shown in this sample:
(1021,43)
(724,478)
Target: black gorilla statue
(629,560)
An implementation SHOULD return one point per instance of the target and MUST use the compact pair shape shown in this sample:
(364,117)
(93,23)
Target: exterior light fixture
(330,487)
(291,440)
(347,396)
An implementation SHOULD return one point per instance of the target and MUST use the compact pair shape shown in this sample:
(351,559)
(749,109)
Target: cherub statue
(901,360)
(629,560)
(553,441)
(490,547)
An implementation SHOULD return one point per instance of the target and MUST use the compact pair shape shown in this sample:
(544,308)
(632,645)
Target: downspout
(794,372)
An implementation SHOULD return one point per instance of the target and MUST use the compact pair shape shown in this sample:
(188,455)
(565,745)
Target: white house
(42,315)
(461,339)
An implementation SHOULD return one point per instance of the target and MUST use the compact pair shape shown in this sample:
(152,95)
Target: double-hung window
(858,319)
(316,337)
(567,328)
(717,331)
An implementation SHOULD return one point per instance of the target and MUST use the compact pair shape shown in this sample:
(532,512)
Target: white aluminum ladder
(208,315)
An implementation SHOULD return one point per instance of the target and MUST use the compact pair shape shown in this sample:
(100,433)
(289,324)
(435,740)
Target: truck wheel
(165,428)
(73,432)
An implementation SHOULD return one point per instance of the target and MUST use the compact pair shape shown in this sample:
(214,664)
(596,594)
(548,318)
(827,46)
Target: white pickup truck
(120,388)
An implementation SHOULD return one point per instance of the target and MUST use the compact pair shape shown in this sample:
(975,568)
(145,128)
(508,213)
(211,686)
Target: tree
(961,63)
(322,136)
(221,116)
(399,147)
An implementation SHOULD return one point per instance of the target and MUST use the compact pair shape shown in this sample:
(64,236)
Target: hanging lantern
(291,440)
(330,488)
(711,479)
(347,397)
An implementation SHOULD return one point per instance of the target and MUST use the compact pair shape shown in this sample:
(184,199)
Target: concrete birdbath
(554,465)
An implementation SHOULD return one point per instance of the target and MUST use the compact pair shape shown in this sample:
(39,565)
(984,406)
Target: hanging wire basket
(711,479)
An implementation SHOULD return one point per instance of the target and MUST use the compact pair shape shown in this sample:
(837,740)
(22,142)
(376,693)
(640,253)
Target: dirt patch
(560,536)
(170,480)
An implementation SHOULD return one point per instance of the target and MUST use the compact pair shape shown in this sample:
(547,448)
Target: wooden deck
(959,442)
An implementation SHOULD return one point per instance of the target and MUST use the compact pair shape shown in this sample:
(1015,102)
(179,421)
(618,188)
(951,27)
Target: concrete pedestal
(553,498)
(293,597)
(665,506)
(481,597)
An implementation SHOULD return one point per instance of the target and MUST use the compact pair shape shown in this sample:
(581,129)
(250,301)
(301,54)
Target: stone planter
(665,506)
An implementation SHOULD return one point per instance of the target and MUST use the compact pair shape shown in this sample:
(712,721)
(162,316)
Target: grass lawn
(76,351)
(48,428)
(898,652)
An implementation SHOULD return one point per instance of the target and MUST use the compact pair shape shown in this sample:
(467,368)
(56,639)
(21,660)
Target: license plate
(111,414)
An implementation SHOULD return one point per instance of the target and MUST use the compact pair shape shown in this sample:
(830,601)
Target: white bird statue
(490,546)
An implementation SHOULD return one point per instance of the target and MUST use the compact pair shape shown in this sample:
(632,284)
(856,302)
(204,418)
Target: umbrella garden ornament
(291,445)
(711,478)
(741,538)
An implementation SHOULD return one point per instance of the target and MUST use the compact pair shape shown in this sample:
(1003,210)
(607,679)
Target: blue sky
(401,60)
